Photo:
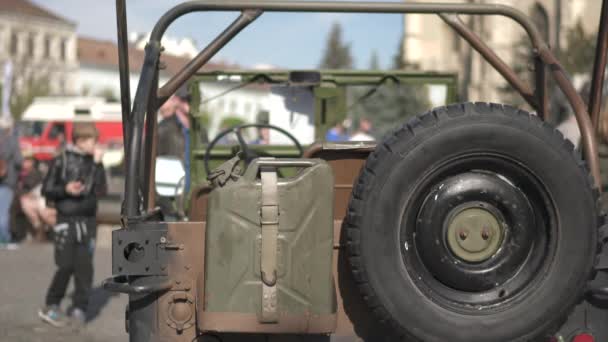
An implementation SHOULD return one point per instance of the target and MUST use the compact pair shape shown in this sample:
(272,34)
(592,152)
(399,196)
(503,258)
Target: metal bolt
(163,239)
(485,233)
(463,233)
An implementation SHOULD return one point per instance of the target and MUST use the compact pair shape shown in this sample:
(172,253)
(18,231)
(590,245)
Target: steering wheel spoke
(242,144)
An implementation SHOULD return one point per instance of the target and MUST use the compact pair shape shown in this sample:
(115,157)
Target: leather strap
(269,219)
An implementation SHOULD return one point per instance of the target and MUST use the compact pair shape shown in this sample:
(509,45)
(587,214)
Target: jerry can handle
(254,167)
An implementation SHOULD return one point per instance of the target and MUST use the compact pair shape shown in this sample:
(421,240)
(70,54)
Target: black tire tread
(409,130)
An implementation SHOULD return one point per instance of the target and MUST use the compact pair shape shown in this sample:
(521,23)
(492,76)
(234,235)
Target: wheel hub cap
(474,234)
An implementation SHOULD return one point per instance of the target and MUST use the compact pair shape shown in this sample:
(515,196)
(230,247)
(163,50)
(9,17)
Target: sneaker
(79,319)
(52,316)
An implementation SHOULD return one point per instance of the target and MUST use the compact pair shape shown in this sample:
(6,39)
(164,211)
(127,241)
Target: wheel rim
(479,231)
(474,233)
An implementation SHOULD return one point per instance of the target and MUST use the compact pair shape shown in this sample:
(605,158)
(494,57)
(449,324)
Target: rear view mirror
(170,176)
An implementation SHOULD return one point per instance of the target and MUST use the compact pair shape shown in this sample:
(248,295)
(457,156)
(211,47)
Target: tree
(580,50)
(374,62)
(399,58)
(523,66)
(337,53)
(25,90)
(577,58)
(108,94)
(85,90)
(389,104)
(231,121)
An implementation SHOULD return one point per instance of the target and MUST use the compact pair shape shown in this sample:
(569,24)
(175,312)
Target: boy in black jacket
(74,180)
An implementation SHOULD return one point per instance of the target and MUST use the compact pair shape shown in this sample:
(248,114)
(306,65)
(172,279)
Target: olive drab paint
(294,292)
(178,288)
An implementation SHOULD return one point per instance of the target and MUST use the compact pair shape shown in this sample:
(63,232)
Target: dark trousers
(74,248)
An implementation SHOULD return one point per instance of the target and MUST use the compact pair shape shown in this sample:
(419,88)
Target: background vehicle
(471,222)
(47,124)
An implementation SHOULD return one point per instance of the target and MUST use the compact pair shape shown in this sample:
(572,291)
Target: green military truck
(470,222)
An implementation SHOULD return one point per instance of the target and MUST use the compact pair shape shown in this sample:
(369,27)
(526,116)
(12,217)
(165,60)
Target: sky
(282,40)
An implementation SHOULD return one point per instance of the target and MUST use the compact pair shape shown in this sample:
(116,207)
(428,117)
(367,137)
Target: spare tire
(473,222)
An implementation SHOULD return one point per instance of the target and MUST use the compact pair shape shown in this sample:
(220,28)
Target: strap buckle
(269,214)
(269,224)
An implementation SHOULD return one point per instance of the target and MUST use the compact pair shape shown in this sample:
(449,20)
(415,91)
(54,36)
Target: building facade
(429,44)
(40,45)
(180,47)
(98,76)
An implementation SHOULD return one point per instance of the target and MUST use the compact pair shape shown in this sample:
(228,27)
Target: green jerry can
(268,249)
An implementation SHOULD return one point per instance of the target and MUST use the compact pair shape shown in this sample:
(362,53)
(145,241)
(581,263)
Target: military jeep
(470,222)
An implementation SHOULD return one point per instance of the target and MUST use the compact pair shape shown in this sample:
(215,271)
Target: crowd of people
(24,214)
(11,161)
(64,199)
(339,132)
(61,204)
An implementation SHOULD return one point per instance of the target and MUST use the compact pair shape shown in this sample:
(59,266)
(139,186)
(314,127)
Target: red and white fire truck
(47,125)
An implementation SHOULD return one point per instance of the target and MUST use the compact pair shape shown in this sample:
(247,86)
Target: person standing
(31,203)
(363,133)
(174,141)
(336,133)
(174,127)
(182,112)
(74,181)
(10,163)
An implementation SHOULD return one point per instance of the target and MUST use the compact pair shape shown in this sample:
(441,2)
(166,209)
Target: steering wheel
(248,154)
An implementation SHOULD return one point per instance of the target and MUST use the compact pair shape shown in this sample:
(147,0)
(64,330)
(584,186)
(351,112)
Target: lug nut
(485,233)
(462,234)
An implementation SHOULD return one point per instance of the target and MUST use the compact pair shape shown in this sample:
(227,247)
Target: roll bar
(149,97)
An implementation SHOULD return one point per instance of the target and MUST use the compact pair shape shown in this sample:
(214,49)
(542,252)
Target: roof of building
(105,54)
(26,7)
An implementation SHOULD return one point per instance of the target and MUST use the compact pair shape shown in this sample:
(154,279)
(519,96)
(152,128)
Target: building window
(63,50)
(31,45)
(14,44)
(47,47)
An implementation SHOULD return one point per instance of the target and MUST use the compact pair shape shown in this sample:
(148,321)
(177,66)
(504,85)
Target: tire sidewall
(394,181)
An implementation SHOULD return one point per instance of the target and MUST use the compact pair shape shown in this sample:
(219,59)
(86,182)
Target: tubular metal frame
(149,96)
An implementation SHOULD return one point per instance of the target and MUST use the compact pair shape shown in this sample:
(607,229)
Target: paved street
(25,274)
